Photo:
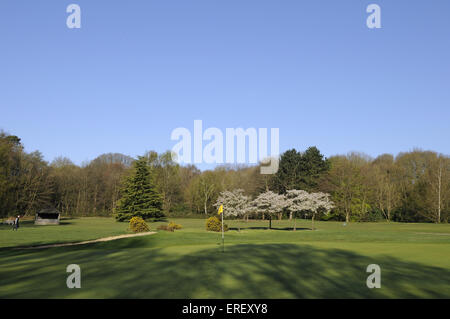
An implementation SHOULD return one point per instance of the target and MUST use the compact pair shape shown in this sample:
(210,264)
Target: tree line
(410,187)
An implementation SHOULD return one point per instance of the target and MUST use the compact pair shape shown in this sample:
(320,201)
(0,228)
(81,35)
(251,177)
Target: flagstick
(223,239)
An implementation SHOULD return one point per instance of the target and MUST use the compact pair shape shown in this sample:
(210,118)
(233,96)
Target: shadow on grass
(31,224)
(159,219)
(131,268)
(267,228)
(138,242)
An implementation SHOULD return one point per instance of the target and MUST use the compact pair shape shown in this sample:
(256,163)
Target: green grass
(70,230)
(258,263)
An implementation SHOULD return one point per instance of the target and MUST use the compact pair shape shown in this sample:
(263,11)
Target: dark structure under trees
(49,216)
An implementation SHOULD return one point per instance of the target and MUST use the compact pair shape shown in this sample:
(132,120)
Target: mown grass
(258,263)
(70,230)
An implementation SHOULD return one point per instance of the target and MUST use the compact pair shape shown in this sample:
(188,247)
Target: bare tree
(384,180)
(437,178)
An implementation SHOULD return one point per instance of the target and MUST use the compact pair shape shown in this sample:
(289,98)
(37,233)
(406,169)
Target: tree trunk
(313,215)
(270,221)
(290,216)
(439,192)
(78,202)
(95,200)
(280,216)
(389,205)
(295,223)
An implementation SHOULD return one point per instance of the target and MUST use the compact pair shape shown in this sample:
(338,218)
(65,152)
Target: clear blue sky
(136,70)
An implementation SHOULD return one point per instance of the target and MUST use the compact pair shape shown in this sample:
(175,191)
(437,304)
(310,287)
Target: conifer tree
(140,196)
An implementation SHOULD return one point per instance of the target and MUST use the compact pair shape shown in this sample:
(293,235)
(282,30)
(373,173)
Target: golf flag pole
(223,238)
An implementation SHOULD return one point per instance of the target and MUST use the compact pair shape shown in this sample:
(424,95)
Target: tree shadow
(134,268)
(291,228)
(31,224)
(124,243)
(64,222)
(267,228)
(158,219)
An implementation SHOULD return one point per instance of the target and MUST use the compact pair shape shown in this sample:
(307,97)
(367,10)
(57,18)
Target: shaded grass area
(243,271)
(258,263)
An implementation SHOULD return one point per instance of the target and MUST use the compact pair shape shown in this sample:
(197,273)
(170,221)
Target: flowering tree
(300,200)
(250,209)
(297,201)
(234,203)
(318,203)
(269,203)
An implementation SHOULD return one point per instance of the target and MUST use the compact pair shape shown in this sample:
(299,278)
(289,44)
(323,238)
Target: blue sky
(136,70)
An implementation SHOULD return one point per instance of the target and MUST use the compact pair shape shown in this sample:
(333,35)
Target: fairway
(330,262)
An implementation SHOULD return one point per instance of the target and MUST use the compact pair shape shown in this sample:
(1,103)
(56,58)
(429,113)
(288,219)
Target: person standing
(16,223)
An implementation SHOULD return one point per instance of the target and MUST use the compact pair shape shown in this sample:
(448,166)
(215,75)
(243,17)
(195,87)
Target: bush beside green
(214,224)
(138,225)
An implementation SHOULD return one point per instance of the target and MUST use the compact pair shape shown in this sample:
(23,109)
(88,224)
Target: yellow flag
(220,210)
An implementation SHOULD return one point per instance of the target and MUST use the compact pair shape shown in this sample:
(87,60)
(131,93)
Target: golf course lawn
(329,262)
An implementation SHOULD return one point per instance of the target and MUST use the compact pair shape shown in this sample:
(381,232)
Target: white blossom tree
(319,203)
(234,202)
(250,209)
(297,201)
(269,203)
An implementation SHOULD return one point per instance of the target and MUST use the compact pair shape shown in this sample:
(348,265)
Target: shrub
(138,225)
(214,224)
(170,227)
(174,225)
(166,228)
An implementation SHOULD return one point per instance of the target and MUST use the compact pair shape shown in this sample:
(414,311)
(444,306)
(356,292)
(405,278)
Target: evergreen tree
(289,171)
(314,166)
(300,170)
(139,195)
